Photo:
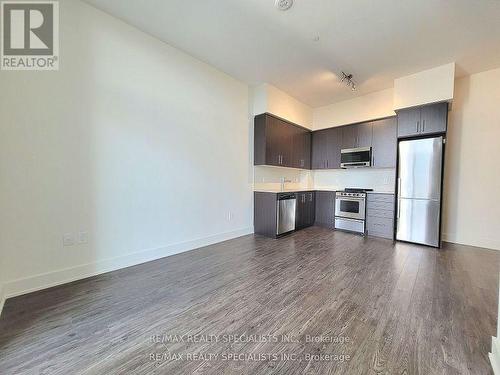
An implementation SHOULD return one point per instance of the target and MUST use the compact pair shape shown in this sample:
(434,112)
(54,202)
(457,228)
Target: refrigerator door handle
(399,186)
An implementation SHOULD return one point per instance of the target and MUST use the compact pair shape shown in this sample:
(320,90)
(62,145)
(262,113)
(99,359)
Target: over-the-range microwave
(356,157)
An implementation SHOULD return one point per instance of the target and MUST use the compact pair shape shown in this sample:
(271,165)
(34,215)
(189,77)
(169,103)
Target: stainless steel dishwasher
(285,209)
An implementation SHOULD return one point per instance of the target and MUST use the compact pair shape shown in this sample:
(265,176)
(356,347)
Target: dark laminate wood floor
(404,309)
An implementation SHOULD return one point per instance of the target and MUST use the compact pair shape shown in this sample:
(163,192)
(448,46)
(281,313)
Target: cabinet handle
(423,125)
(327,163)
(418,126)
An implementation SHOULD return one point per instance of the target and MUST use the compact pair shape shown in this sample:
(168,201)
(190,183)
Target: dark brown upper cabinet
(365,134)
(429,119)
(326,146)
(357,135)
(301,148)
(281,143)
(385,143)
(319,146)
(434,118)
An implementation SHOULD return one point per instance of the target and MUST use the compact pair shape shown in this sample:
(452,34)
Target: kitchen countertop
(312,189)
(284,191)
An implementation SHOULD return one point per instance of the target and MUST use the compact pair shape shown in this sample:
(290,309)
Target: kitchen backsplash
(383,180)
(269,178)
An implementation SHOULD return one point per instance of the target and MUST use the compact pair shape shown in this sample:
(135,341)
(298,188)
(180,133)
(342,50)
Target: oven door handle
(351,199)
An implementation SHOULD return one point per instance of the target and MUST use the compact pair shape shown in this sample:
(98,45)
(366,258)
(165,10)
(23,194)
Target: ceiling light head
(283,4)
(348,80)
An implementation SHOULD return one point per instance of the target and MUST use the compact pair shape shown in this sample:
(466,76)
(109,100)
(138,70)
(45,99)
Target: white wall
(367,107)
(472,178)
(135,142)
(430,86)
(267,98)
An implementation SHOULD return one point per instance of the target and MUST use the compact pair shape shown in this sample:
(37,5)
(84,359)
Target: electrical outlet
(83,238)
(68,239)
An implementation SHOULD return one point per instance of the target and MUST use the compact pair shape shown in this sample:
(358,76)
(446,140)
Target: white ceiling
(376,40)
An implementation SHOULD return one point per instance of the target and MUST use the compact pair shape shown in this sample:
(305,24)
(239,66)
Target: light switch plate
(68,239)
(83,237)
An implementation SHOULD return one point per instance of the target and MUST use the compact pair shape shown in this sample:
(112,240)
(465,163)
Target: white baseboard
(487,243)
(495,355)
(38,282)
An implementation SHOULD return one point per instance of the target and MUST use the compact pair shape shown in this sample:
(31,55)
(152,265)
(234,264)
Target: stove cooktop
(356,190)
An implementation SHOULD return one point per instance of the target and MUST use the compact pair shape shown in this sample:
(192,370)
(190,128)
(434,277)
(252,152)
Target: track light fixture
(347,79)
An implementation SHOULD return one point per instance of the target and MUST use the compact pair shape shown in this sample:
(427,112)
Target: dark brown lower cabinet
(305,207)
(265,211)
(380,215)
(325,209)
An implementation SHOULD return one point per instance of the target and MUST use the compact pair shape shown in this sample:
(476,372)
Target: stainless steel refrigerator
(419,191)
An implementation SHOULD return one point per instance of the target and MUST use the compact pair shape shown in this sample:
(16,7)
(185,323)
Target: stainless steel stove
(350,210)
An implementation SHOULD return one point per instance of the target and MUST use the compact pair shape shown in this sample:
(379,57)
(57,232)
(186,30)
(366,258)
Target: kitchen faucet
(283,182)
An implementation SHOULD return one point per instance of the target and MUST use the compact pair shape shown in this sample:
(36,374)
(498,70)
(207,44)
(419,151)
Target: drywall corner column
(495,343)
